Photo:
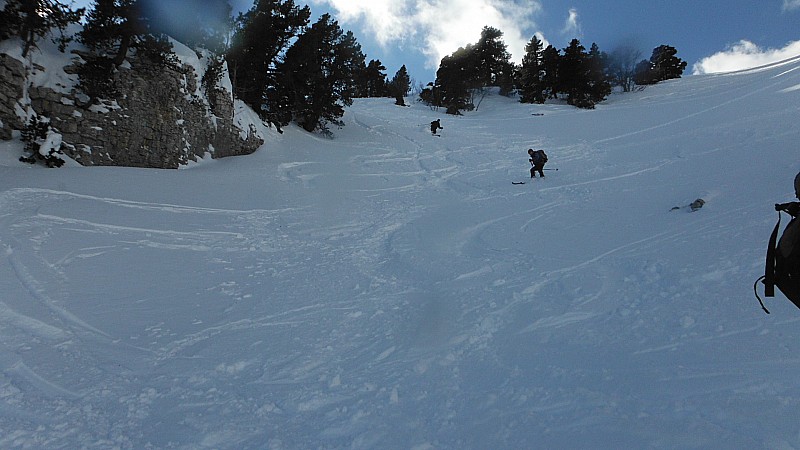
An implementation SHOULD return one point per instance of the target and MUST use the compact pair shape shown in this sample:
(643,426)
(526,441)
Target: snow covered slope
(390,289)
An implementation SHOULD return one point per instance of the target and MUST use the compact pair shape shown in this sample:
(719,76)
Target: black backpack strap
(755,289)
(769,268)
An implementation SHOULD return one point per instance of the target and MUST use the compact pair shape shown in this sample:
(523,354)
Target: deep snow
(390,289)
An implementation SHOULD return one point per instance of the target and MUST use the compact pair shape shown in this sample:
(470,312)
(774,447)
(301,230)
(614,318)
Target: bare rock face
(161,119)
(12,83)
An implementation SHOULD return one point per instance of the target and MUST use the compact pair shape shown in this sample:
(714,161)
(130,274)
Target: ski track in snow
(390,289)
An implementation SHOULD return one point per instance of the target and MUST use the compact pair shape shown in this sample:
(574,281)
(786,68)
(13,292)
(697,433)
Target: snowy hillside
(390,289)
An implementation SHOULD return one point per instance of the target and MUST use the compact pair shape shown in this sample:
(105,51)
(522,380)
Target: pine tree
(456,78)
(492,57)
(582,75)
(662,65)
(372,80)
(531,73)
(573,74)
(551,65)
(113,28)
(260,36)
(599,87)
(318,74)
(505,79)
(463,74)
(666,64)
(33,19)
(400,85)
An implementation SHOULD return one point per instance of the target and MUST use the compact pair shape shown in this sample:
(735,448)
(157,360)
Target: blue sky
(710,35)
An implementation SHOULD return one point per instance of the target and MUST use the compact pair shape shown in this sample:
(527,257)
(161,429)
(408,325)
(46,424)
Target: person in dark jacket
(537,159)
(436,125)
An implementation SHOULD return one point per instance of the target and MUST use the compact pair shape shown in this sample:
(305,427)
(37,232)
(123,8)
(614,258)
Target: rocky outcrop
(161,119)
(12,84)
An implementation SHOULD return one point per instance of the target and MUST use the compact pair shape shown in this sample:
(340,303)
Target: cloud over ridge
(744,55)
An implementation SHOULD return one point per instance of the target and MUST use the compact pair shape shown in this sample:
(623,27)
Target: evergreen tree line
(287,69)
(581,78)
(281,65)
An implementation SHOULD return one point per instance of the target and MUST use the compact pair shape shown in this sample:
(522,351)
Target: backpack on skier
(783,258)
(539,158)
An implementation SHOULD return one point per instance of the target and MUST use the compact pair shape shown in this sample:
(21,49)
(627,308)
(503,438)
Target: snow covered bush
(42,142)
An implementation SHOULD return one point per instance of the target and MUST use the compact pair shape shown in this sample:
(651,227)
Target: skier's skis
(517,182)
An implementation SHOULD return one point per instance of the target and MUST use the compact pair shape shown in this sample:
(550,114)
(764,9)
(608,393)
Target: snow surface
(390,289)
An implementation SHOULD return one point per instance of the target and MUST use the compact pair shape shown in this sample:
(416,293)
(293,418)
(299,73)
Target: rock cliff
(162,117)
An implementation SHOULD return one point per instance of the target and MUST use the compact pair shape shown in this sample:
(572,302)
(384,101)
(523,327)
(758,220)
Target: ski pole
(549,169)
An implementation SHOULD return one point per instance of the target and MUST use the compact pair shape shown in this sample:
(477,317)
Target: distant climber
(538,158)
(436,125)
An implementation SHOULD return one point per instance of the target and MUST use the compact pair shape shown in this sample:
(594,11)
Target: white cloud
(744,55)
(380,17)
(439,27)
(572,27)
(789,5)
